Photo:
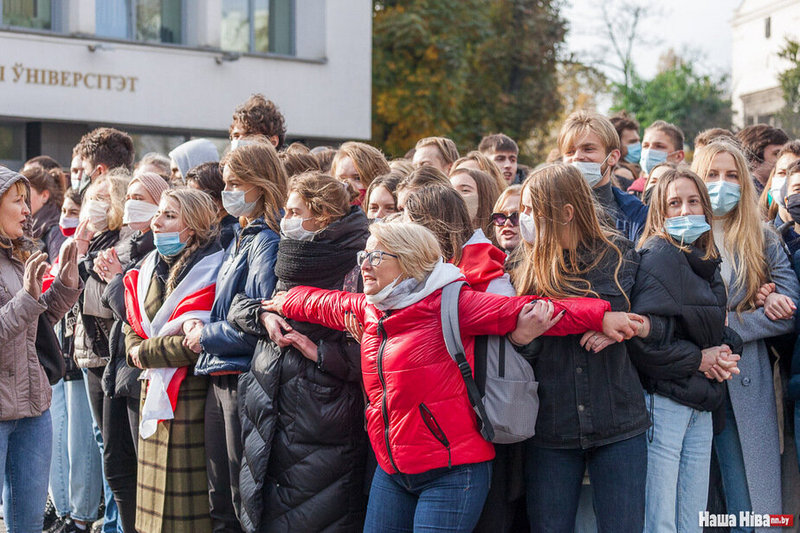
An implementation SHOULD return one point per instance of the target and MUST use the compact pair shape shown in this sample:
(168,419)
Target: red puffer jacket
(418,416)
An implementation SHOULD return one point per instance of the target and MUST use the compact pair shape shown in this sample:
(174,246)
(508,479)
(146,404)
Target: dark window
(36,14)
(258,26)
(767,27)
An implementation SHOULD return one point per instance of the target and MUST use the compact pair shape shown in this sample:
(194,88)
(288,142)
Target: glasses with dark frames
(500,219)
(374,257)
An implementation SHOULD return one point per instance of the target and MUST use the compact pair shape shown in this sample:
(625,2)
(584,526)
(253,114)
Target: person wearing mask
(505,218)
(358,164)
(208,178)
(434,465)
(255,192)
(592,411)
(25,422)
(630,146)
(748,447)
(170,289)
(258,116)
(479,192)
(437,152)
(589,142)
(309,474)
(652,179)
(188,155)
(662,142)
(120,384)
(689,352)
(476,160)
(47,197)
(760,144)
(75,169)
(774,205)
(102,150)
(381,197)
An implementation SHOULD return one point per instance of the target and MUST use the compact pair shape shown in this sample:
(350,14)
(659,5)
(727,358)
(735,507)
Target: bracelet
(511,340)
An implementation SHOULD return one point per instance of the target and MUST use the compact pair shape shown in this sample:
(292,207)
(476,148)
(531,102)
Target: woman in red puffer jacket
(434,463)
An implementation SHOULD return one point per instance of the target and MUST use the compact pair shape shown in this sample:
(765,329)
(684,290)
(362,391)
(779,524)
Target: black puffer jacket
(686,299)
(304,444)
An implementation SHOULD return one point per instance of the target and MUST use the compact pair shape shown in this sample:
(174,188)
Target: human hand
(533,320)
(619,326)
(305,345)
(275,326)
(778,306)
(275,305)
(193,330)
(82,236)
(68,265)
(764,291)
(134,355)
(353,326)
(107,264)
(594,341)
(35,268)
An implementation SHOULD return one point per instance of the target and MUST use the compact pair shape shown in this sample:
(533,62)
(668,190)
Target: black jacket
(304,444)
(589,399)
(686,299)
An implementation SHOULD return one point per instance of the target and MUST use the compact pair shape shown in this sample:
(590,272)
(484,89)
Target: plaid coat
(172,484)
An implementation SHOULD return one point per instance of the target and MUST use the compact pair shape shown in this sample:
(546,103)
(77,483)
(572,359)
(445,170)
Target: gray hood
(193,153)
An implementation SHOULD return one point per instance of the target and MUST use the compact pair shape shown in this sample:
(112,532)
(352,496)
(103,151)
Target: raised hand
(68,265)
(35,268)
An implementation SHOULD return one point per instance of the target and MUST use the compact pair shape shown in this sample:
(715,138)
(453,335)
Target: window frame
(251,34)
(56,22)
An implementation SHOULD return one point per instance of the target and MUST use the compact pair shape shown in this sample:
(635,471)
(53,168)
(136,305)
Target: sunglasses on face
(500,219)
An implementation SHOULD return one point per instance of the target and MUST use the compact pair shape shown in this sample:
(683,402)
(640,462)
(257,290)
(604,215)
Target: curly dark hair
(259,116)
(107,146)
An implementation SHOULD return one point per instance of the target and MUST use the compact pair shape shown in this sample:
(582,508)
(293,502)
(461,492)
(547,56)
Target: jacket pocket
(436,430)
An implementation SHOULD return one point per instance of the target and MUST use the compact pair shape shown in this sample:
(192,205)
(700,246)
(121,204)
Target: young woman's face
(377,277)
(783,163)
(13,212)
(381,203)
(655,174)
(234,183)
(136,191)
(507,235)
(346,171)
(70,209)
(297,208)
(683,199)
(468,189)
(169,219)
(723,167)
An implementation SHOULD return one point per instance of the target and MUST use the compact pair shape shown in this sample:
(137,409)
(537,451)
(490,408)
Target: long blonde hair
(545,269)
(199,212)
(744,235)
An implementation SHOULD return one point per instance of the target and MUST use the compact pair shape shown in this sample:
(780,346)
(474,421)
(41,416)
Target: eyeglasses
(500,219)
(374,257)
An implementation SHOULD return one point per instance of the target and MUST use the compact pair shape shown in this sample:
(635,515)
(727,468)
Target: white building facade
(170,70)
(760,29)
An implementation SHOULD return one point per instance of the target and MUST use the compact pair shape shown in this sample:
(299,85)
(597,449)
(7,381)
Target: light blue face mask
(234,204)
(724,196)
(169,243)
(650,158)
(592,172)
(686,229)
(634,153)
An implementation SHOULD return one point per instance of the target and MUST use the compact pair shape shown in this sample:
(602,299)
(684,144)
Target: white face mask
(592,172)
(375,299)
(235,205)
(775,190)
(137,211)
(96,212)
(527,228)
(292,228)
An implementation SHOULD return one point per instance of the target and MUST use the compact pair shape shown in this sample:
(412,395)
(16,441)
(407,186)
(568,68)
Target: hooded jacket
(483,264)
(192,153)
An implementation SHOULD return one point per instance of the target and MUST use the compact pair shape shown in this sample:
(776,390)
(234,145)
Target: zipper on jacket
(436,430)
(384,408)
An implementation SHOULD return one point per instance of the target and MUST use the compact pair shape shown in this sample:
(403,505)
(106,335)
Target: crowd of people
(256,342)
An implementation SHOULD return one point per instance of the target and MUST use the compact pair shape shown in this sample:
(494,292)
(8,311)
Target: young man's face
(763,170)
(659,140)
(589,148)
(506,162)
(627,137)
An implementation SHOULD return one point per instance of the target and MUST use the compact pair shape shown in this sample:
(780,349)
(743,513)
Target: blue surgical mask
(650,158)
(527,228)
(724,196)
(592,172)
(169,243)
(634,153)
(234,204)
(686,229)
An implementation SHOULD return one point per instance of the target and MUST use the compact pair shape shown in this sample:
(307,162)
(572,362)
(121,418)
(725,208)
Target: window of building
(35,14)
(159,21)
(258,26)
(12,144)
(767,27)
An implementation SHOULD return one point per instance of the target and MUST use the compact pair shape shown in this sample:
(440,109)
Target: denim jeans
(25,447)
(731,466)
(76,478)
(678,463)
(444,499)
(617,471)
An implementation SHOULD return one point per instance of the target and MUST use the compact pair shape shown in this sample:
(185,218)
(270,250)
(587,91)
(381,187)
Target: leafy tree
(463,68)
(789,81)
(677,94)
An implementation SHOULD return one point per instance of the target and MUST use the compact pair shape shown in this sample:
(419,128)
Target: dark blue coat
(248,268)
(634,212)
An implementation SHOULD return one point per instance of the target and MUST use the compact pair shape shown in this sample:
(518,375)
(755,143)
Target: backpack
(509,403)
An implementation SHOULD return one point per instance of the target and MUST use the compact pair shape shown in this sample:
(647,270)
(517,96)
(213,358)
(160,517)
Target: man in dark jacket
(590,142)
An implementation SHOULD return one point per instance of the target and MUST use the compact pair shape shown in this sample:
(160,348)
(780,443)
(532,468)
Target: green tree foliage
(789,80)
(677,94)
(463,68)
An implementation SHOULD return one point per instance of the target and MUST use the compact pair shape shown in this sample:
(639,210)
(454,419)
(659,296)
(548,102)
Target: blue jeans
(76,478)
(25,446)
(731,467)
(678,462)
(444,499)
(617,472)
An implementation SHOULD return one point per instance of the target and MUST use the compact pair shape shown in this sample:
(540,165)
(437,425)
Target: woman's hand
(68,266)
(765,290)
(193,329)
(305,345)
(107,265)
(353,326)
(594,341)
(35,267)
(720,362)
(134,355)
(533,320)
(275,326)
(82,236)
(619,326)
(275,305)
(778,306)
